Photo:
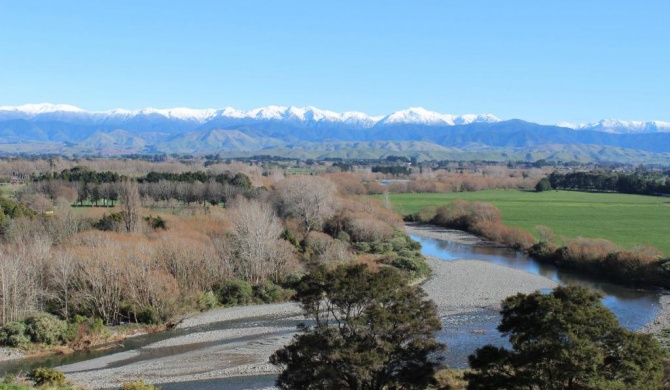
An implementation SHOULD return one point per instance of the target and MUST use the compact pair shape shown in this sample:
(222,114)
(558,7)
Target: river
(462,333)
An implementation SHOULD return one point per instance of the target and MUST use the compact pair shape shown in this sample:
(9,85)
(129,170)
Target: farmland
(627,220)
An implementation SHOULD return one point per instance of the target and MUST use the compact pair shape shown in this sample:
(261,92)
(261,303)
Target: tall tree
(372,331)
(565,340)
(131,205)
(258,251)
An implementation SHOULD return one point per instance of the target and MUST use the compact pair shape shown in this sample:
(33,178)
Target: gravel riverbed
(209,352)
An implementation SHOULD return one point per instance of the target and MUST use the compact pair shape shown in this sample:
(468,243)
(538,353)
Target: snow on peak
(41,108)
(617,126)
(419,115)
(307,115)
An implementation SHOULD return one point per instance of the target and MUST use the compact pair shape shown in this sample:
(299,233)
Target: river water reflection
(464,333)
(633,307)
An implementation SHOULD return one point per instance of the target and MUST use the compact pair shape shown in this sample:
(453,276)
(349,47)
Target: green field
(628,220)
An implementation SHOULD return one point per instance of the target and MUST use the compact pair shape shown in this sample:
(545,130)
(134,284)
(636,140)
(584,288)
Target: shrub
(269,293)
(369,229)
(13,334)
(156,222)
(111,222)
(46,377)
(45,328)
(138,385)
(414,266)
(148,315)
(343,236)
(207,301)
(235,292)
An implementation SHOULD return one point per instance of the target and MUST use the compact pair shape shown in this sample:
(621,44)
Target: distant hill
(292,131)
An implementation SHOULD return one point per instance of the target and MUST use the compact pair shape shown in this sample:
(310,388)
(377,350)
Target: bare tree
(311,199)
(130,206)
(99,282)
(61,278)
(18,295)
(258,250)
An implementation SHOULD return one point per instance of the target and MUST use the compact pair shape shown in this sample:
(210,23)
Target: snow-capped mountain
(616,126)
(421,116)
(305,115)
(279,130)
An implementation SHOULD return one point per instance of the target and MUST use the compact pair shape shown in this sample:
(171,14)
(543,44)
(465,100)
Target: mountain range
(311,132)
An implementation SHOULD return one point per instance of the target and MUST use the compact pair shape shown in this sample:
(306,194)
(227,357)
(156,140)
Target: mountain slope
(275,128)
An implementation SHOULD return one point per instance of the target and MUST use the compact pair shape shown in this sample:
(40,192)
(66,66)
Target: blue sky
(543,61)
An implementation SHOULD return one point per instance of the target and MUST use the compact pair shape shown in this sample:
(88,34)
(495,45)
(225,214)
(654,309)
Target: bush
(47,377)
(138,385)
(111,222)
(415,267)
(269,293)
(207,301)
(156,222)
(148,315)
(13,334)
(235,292)
(45,328)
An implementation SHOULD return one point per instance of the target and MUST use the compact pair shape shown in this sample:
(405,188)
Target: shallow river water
(462,333)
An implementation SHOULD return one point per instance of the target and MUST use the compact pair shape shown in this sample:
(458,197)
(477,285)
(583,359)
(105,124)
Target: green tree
(371,331)
(543,185)
(565,340)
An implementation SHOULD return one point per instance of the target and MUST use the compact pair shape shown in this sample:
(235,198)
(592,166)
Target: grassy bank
(627,220)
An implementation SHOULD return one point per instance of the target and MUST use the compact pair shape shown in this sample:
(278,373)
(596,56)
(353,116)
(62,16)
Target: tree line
(644,183)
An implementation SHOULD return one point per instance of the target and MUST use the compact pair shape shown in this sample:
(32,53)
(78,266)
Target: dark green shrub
(156,222)
(46,377)
(13,334)
(269,293)
(111,222)
(235,292)
(148,315)
(414,267)
(45,328)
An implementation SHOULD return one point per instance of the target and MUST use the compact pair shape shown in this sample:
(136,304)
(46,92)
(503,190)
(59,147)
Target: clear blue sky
(544,61)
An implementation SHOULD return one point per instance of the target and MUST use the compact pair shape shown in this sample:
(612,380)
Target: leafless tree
(311,199)
(130,206)
(18,295)
(99,283)
(61,278)
(258,251)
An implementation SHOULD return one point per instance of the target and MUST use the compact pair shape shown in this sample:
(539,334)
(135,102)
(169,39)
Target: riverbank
(218,344)
(238,341)
(660,323)
(469,285)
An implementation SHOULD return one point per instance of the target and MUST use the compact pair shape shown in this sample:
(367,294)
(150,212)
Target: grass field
(627,220)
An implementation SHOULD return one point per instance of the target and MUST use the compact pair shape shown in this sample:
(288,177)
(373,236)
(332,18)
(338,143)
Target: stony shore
(456,287)
(208,351)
